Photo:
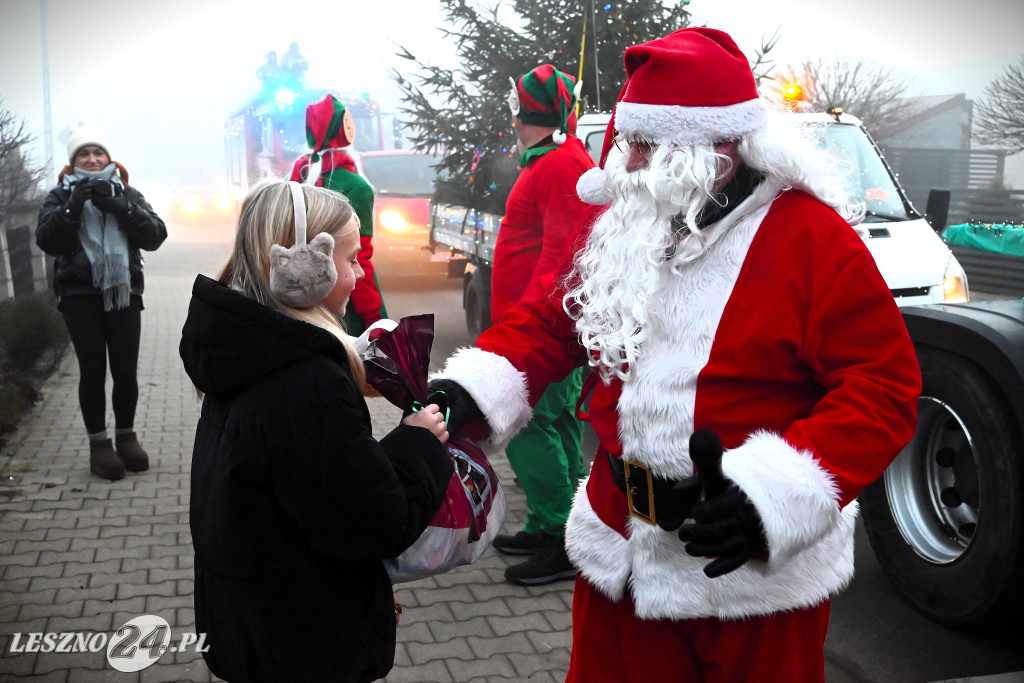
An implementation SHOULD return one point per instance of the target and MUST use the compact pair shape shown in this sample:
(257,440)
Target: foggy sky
(161,77)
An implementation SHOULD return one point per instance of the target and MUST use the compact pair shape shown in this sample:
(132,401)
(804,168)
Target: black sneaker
(547,565)
(521,543)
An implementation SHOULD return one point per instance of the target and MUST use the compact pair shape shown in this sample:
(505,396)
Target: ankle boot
(103,460)
(132,454)
(550,563)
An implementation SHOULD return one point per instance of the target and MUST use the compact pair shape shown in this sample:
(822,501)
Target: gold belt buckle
(641,487)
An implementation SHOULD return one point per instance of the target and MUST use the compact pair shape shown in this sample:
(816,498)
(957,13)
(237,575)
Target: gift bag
(474,507)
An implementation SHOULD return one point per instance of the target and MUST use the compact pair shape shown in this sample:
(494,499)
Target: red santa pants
(609,643)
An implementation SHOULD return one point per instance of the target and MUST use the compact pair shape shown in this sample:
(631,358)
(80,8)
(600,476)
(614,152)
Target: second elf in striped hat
(540,217)
(330,132)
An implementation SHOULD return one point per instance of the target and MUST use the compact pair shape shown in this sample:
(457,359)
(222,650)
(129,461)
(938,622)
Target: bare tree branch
(999,116)
(19,178)
(878,95)
(762,65)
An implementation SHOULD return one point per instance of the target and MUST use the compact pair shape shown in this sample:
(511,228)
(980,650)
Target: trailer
(467,236)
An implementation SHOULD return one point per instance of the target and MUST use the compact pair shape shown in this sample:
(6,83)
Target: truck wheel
(477,301)
(946,519)
(456,268)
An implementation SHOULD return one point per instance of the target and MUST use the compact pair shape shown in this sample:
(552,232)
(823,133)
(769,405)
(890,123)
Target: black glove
(675,505)
(80,194)
(109,198)
(727,527)
(462,409)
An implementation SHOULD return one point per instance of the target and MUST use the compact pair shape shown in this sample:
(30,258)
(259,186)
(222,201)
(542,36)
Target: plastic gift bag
(474,507)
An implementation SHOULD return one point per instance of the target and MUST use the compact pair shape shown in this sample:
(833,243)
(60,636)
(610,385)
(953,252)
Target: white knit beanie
(86,133)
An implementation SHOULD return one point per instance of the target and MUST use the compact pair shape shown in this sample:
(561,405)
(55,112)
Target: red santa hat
(693,86)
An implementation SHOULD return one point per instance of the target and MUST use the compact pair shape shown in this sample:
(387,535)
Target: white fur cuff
(592,187)
(796,498)
(497,387)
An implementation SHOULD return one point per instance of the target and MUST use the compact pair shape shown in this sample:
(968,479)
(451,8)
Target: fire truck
(266,134)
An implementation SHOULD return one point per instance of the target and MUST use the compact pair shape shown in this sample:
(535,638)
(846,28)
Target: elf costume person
(329,132)
(540,218)
(722,287)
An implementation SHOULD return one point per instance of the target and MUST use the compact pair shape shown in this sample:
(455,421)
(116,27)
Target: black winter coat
(294,504)
(57,235)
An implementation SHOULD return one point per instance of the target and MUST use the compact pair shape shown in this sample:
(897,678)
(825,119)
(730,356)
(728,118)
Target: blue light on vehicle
(285,96)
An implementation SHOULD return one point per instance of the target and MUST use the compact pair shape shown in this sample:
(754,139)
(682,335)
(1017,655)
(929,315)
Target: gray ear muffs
(303,275)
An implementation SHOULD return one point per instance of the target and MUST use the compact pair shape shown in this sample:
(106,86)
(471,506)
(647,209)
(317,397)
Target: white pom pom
(558,137)
(592,187)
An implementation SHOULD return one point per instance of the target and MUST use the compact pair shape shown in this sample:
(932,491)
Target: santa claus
(722,287)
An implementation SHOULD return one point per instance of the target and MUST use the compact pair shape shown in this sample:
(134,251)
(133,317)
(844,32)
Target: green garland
(1002,238)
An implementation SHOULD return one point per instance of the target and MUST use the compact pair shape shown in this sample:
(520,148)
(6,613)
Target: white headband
(299,209)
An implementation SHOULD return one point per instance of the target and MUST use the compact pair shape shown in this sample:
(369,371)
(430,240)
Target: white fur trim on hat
(592,187)
(688,125)
(86,133)
(498,389)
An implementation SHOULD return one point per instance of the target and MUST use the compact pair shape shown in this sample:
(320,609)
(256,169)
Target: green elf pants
(547,456)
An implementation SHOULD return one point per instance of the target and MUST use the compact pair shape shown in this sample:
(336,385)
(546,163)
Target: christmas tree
(463,113)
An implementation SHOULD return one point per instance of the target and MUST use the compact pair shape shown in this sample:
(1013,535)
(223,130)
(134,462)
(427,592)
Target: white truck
(946,520)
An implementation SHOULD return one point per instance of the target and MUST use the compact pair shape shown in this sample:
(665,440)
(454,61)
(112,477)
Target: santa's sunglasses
(641,143)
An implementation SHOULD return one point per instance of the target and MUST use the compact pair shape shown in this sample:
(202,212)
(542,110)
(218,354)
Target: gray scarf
(104,242)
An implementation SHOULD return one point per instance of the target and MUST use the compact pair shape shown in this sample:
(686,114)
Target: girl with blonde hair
(294,504)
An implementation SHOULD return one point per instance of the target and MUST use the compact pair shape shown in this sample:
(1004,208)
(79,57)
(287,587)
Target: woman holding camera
(95,224)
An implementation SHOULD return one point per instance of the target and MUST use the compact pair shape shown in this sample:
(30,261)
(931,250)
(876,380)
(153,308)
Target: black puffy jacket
(293,502)
(57,235)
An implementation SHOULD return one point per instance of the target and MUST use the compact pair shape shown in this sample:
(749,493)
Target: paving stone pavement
(79,554)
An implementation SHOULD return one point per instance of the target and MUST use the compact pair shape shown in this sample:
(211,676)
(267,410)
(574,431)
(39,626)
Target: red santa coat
(782,338)
(541,214)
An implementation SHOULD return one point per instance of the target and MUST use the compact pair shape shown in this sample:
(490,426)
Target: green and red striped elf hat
(546,97)
(328,125)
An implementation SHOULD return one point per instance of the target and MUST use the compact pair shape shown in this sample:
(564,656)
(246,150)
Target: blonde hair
(267,218)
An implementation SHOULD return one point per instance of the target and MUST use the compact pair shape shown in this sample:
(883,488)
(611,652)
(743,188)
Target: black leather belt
(641,488)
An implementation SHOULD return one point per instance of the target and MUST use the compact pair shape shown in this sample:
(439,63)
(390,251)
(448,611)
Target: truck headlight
(393,221)
(954,283)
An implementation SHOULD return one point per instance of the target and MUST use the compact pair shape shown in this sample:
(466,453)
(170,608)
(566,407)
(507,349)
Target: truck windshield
(368,133)
(867,178)
(402,175)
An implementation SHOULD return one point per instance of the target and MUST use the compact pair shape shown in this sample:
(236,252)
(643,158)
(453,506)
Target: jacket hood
(230,342)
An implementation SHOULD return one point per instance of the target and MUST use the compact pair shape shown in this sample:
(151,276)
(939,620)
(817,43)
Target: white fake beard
(631,244)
